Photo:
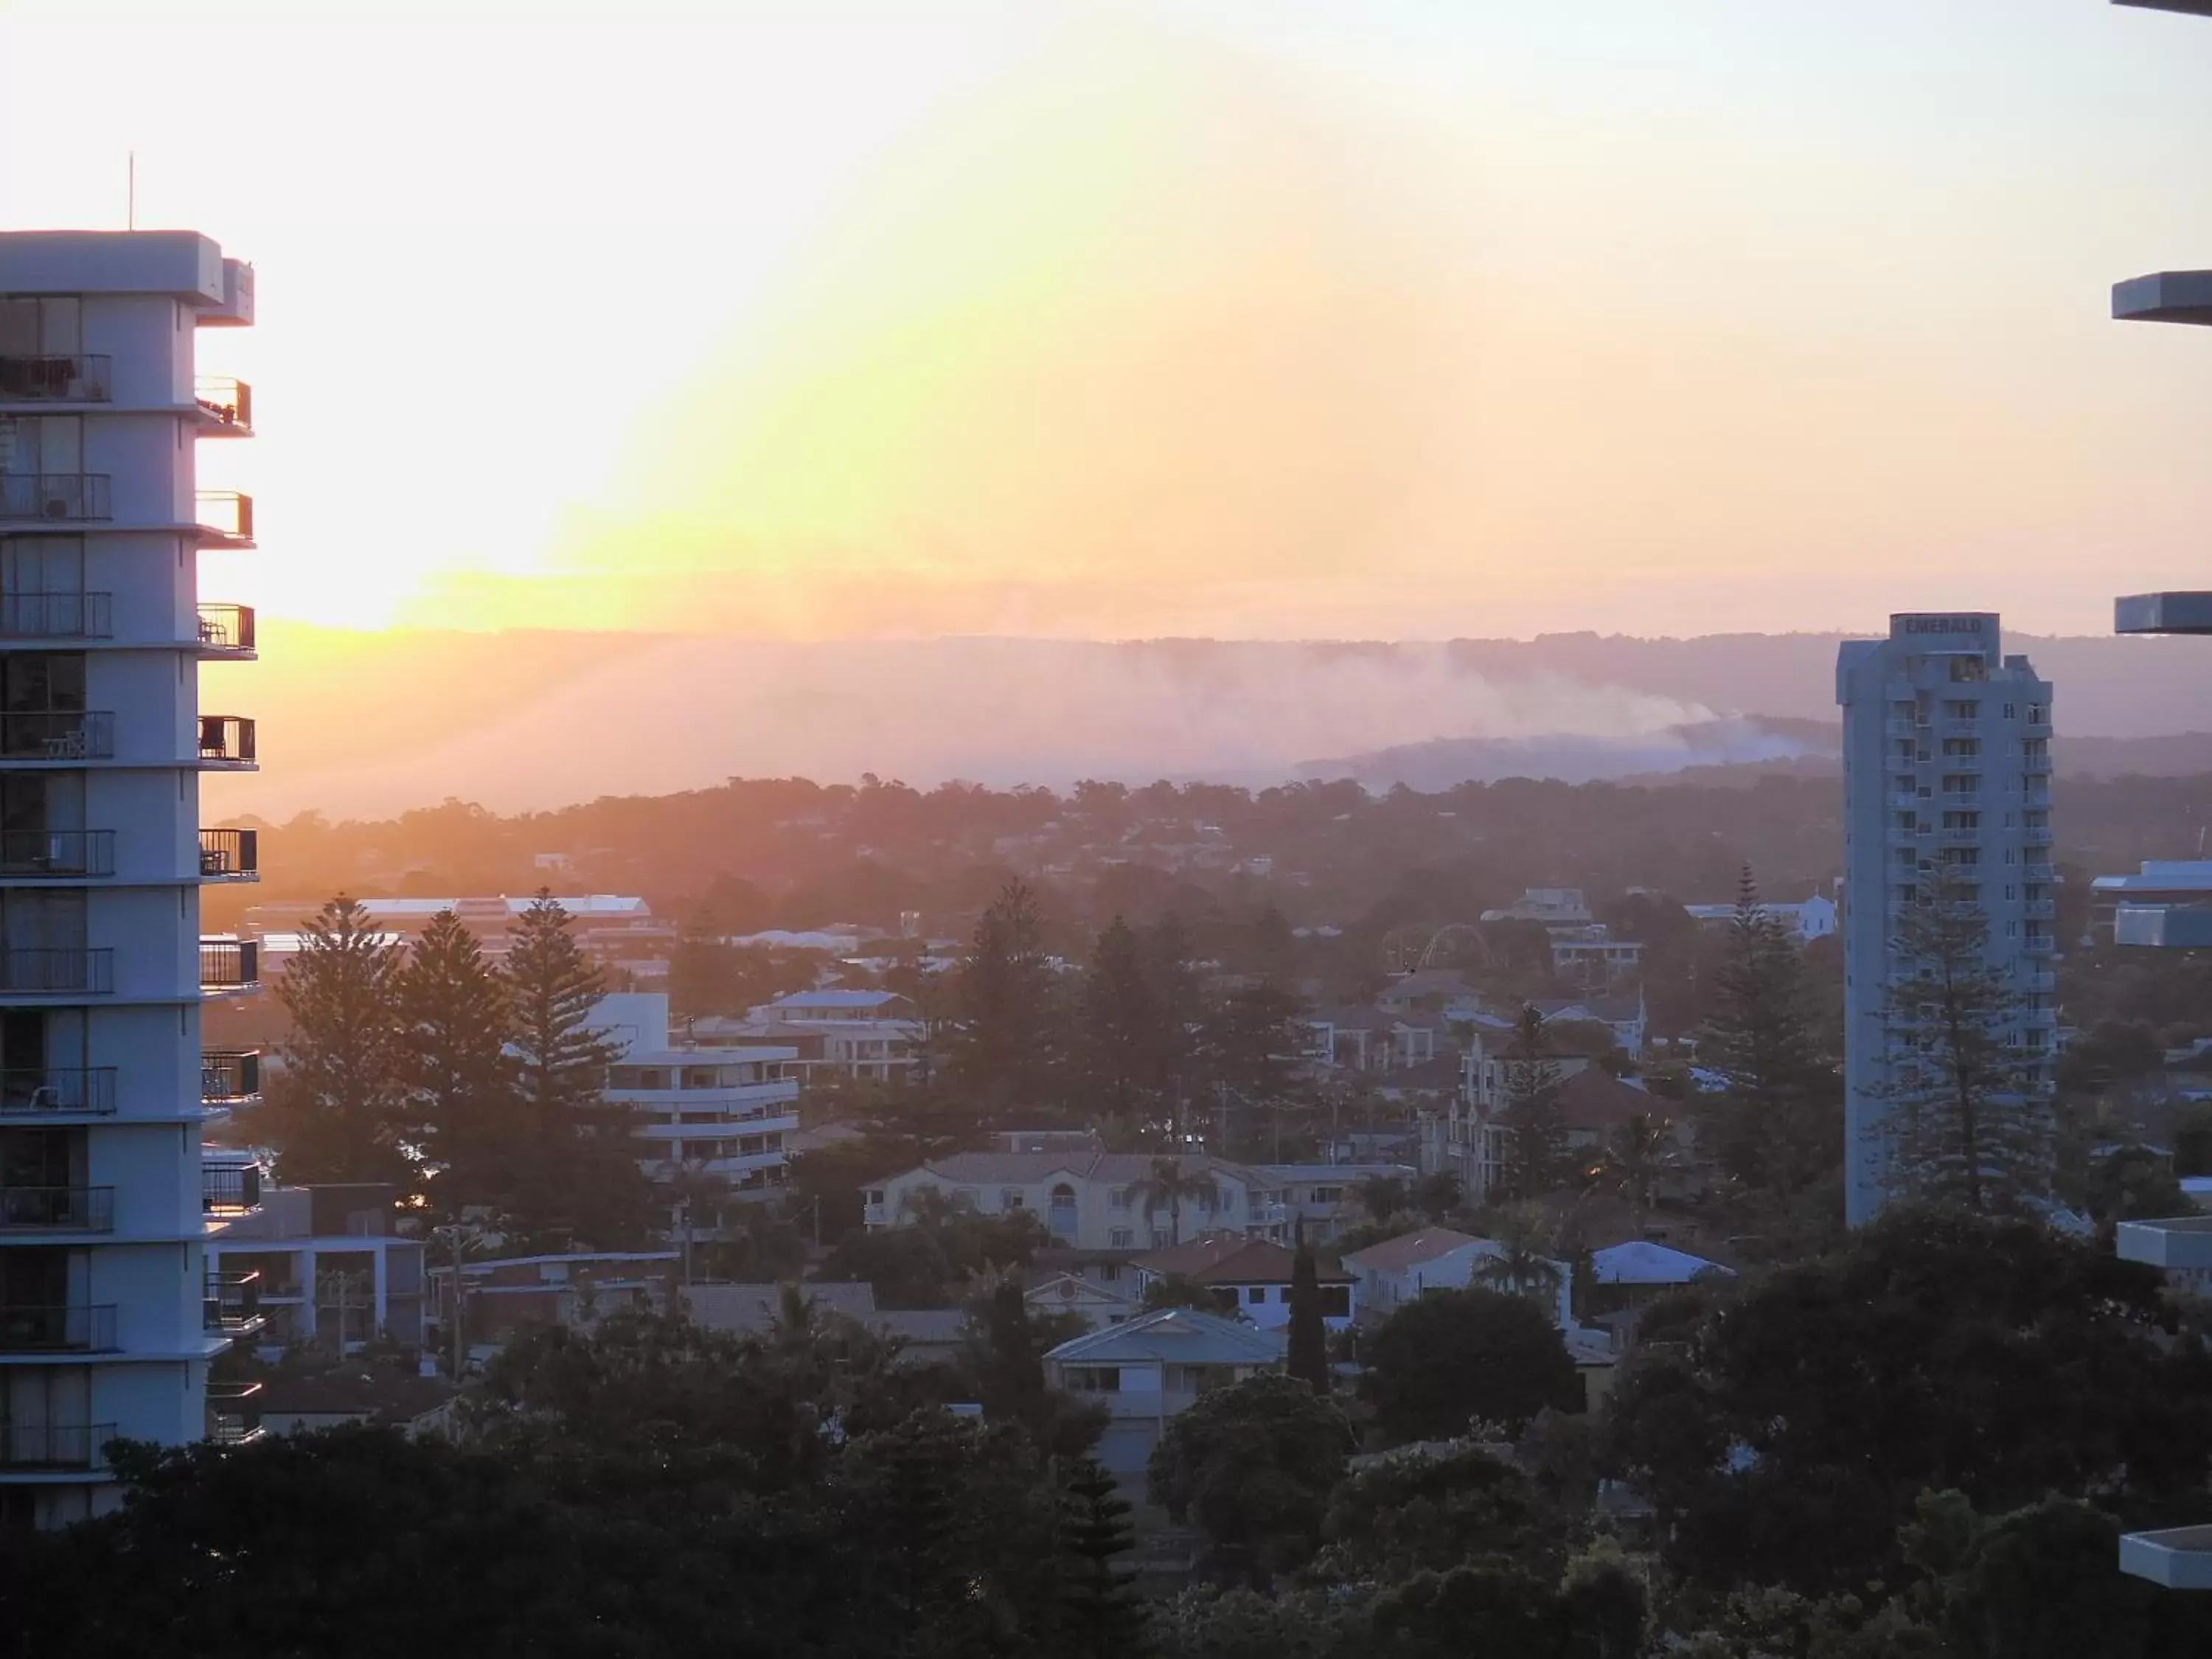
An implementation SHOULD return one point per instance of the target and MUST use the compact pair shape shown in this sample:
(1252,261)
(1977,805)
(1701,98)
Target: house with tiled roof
(1405,1269)
(1252,1277)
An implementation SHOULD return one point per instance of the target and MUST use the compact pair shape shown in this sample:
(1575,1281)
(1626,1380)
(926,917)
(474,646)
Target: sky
(1239,318)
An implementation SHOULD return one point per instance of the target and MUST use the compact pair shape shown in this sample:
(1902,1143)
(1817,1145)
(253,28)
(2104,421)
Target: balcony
(2040,945)
(227,744)
(230,1077)
(233,1416)
(226,630)
(34,1090)
(2166,296)
(232,1305)
(56,854)
(1958,837)
(74,377)
(230,854)
(57,616)
(229,964)
(54,497)
(226,406)
(1897,728)
(1906,800)
(2178,1558)
(230,1188)
(58,1209)
(2041,909)
(225,518)
(55,1328)
(2037,873)
(2041,980)
(2036,836)
(2036,800)
(36,1446)
(57,734)
(40,970)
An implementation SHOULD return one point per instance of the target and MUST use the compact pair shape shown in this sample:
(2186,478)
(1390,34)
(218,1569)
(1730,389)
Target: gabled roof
(1233,1259)
(854,1000)
(1640,1261)
(1397,1255)
(1061,1288)
(1593,1098)
(1180,1336)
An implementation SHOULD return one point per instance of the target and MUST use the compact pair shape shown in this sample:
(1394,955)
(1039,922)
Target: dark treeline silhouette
(765,853)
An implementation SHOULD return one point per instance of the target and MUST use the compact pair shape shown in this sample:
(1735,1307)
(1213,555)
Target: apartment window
(1010,1198)
(875,1196)
(1256,1294)
(1962,857)
(1962,709)
(2037,713)
(1122,1239)
(1336,1301)
(1118,1198)
(2011,712)
(1094,1379)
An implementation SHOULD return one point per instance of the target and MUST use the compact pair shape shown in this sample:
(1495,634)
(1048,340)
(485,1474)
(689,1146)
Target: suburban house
(1148,1369)
(500,1296)
(1813,918)
(1430,994)
(1251,1276)
(288,1402)
(1099,1304)
(1325,1197)
(1623,1016)
(1401,1270)
(1091,1201)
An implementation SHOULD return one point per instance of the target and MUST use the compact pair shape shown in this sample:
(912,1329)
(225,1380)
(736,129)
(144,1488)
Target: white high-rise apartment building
(107,1316)
(1947,762)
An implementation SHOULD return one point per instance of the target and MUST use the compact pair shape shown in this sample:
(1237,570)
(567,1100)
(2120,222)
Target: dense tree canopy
(1452,1358)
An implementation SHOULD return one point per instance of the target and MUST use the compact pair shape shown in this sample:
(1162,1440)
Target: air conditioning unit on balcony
(58,506)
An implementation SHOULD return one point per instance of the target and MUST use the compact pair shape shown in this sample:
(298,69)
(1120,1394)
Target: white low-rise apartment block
(711,1118)
(108,1314)
(1092,1201)
(870,1035)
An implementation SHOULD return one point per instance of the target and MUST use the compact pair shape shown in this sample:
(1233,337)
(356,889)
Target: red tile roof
(1234,1259)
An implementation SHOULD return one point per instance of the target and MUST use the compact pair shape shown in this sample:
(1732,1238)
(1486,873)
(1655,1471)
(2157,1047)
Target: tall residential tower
(1947,762)
(107,1316)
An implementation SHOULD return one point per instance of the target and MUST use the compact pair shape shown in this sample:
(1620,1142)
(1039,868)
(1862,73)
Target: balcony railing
(228,1076)
(28,1091)
(58,1209)
(74,377)
(229,964)
(54,497)
(233,1416)
(227,854)
(63,854)
(226,740)
(52,972)
(227,513)
(57,734)
(230,403)
(57,615)
(232,1306)
(230,1188)
(2036,837)
(2037,873)
(227,627)
(54,1445)
(53,1327)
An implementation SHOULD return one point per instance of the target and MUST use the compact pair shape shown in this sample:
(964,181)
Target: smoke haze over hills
(360,724)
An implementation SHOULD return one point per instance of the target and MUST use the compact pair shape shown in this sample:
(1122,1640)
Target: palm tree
(1637,1155)
(1167,1182)
(1520,1268)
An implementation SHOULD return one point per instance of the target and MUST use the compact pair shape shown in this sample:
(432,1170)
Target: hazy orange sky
(1289,316)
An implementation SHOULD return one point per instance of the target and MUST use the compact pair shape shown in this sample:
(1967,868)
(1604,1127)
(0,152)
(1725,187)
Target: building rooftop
(1179,1336)
(1027,1168)
(1594,1099)
(1397,1255)
(856,1001)
(1233,1259)
(1640,1261)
